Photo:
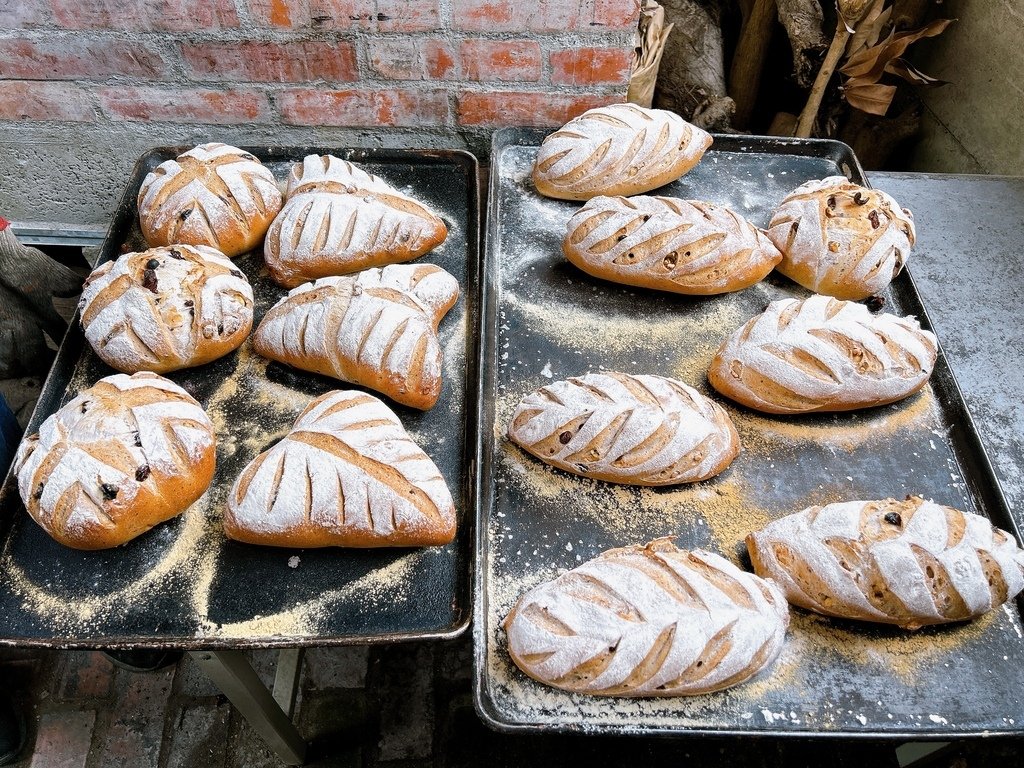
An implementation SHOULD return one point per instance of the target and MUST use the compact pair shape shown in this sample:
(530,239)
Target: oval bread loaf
(822,354)
(909,563)
(621,149)
(347,475)
(166,308)
(340,219)
(648,620)
(377,328)
(120,457)
(640,430)
(668,244)
(840,238)
(214,194)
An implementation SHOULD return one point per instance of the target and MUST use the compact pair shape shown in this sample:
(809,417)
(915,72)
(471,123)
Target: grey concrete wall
(976,123)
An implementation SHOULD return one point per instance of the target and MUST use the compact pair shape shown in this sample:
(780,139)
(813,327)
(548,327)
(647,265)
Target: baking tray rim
(505,138)
(73,342)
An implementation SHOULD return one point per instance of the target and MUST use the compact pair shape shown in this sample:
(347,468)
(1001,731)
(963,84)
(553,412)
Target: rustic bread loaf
(909,563)
(123,455)
(166,308)
(640,430)
(648,620)
(340,219)
(377,328)
(840,238)
(347,475)
(214,195)
(668,244)
(621,149)
(822,354)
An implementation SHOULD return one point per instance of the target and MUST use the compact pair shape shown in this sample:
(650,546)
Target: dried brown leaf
(870,29)
(871,62)
(873,98)
(910,73)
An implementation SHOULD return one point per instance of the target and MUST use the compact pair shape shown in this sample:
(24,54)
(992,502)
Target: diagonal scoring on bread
(648,620)
(822,354)
(668,244)
(841,239)
(642,430)
(166,308)
(621,149)
(348,474)
(911,563)
(214,194)
(339,219)
(120,457)
(377,328)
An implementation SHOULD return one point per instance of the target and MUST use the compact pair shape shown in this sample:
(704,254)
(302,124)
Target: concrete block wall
(86,86)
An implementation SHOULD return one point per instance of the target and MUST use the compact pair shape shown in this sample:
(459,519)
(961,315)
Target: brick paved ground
(404,706)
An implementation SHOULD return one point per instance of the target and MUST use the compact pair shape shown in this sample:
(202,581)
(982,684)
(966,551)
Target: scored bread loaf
(648,620)
(840,238)
(621,149)
(340,219)
(668,244)
(347,475)
(640,430)
(166,308)
(214,194)
(122,456)
(909,563)
(377,328)
(823,354)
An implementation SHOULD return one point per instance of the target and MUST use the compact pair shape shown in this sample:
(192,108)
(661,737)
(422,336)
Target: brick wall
(87,85)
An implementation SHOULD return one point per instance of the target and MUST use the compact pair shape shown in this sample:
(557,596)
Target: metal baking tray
(184,584)
(545,320)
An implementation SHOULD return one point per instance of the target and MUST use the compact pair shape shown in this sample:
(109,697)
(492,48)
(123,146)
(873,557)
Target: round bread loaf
(909,563)
(621,149)
(122,456)
(340,219)
(683,246)
(822,354)
(214,195)
(166,308)
(840,238)
(648,620)
(638,430)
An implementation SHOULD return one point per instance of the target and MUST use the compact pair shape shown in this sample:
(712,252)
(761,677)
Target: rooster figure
(29,279)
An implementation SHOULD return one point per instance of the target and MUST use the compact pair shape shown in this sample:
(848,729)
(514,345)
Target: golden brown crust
(621,149)
(668,244)
(347,475)
(215,195)
(123,456)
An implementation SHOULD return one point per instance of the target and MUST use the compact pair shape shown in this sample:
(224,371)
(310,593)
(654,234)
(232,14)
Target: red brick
(591,66)
(22,14)
(496,108)
(135,734)
(45,101)
(615,14)
(262,62)
(185,105)
(370,15)
(84,675)
(364,108)
(145,15)
(518,15)
(62,739)
(501,60)
(74,57)
(410,58)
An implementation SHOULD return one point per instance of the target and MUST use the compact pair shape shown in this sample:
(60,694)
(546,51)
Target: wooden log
(748,61)
(802,20)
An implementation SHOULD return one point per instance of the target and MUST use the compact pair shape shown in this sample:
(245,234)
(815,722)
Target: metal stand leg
(916,752)
(286,678)
(234,675)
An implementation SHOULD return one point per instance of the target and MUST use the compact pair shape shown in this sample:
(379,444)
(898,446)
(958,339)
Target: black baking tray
(544,320)
(183,584)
